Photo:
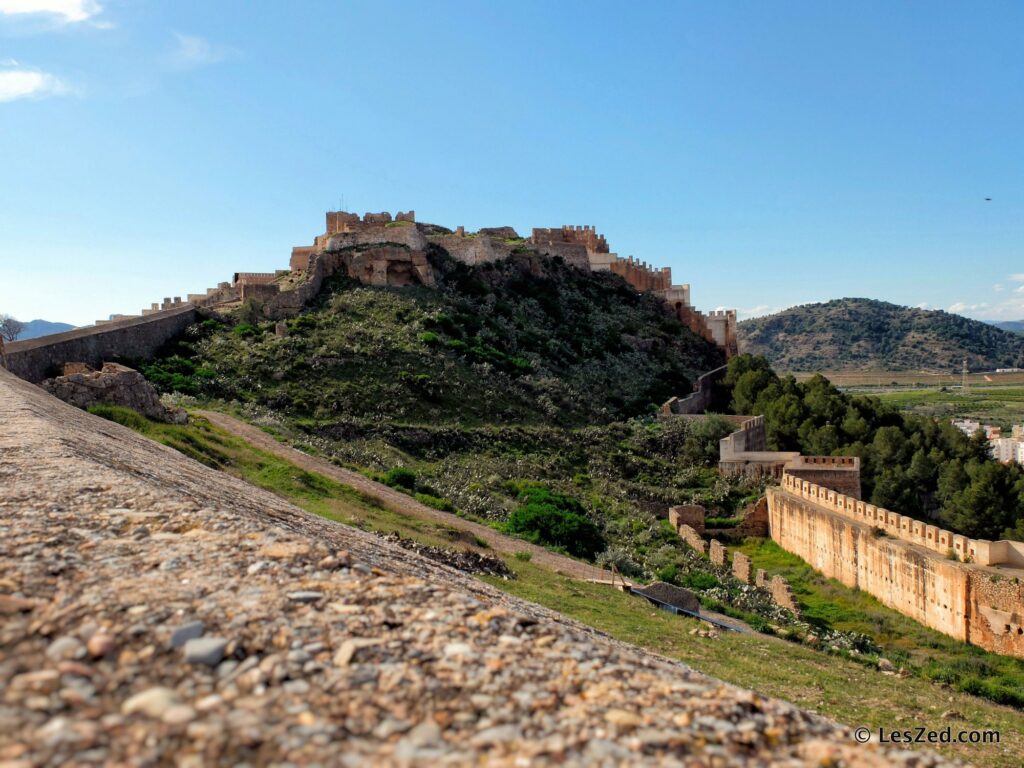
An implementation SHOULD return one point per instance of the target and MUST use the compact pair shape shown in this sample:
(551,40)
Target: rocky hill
(156,611)
(527,339)
(863,334)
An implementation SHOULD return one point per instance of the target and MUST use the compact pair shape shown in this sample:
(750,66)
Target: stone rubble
(114,384)
(314,643)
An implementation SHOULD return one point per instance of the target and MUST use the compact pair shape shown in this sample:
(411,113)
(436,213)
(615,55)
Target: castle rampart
(967,588)
(132,337)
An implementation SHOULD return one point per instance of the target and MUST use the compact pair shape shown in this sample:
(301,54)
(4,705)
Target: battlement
(339,222)
(584,235)
(255,278)
(908,529)
(970,589)
(834,462)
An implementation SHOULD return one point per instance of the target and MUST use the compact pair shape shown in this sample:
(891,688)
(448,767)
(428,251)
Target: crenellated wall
(969,589)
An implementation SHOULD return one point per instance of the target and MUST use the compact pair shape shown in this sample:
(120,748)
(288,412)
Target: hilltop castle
(384,264)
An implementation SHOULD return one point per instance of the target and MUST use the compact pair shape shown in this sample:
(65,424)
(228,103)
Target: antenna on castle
(965,387)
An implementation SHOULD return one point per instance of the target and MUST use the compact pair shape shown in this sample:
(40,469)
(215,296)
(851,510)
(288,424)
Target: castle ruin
(580,246)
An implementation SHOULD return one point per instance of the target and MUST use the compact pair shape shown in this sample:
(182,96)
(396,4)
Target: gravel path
(156,612)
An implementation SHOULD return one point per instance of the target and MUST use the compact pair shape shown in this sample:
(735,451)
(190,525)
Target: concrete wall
(904,563)
(135,337)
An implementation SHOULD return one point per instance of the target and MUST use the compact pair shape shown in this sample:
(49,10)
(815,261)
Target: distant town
(1004,449)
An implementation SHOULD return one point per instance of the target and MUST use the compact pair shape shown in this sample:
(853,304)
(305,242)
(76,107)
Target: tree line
(917,466)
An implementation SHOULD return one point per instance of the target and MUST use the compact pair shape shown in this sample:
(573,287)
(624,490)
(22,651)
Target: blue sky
(770,153)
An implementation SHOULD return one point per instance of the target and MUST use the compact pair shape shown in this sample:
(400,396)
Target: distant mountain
(863,334)
(36,328)
(1013,326)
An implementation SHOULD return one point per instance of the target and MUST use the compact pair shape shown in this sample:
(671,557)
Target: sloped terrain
(525,340)
(863,334)
(156,611)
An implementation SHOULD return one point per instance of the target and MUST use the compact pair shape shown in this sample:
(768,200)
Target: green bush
(433,501)
(524,556)
(669,573)
(700,580)
(556,521)
(400,477)
(429,337)
(246,331)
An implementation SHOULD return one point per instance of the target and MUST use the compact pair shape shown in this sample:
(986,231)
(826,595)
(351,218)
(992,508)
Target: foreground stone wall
(134,337)
(910,566)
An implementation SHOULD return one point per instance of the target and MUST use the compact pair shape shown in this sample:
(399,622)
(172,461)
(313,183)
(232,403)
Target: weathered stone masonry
(136,337)
(969,589)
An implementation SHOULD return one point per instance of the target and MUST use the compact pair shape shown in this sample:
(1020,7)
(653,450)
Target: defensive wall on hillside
(375,249)
(744,453)
(969,589)
(134,337)
(580,246)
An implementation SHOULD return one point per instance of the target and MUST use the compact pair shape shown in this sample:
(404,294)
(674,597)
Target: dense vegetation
(525,340)
(909,464)
(863,334)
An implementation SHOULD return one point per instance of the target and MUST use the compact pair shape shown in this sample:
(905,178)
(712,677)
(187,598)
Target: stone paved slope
(153,611)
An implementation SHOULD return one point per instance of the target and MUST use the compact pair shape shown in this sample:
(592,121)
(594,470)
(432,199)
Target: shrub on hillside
(555,520)
(400,477)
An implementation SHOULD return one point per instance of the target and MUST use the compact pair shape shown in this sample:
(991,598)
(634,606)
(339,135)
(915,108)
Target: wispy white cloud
(962,307)
(192,52)
(22,83)
(759,311)
(922,305)
(65,11)
(1016,277)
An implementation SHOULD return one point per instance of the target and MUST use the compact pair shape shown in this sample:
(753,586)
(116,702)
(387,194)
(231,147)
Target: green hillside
(863,334)
(525,340)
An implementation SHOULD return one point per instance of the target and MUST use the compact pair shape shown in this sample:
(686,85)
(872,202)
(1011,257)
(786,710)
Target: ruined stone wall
(692,538)
(687,514)
(902,562)
(742,567)
(698,401)
(716,552)
(301,255)
(134,337)
(480,249)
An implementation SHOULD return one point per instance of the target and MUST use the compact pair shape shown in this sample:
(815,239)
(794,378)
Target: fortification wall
(479,249)
(910,566)
(840,473)
(750,437)
(134,337)
(700,399)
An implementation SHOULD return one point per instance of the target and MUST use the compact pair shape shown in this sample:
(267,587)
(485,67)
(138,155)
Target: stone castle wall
(915,568)
(133,337)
